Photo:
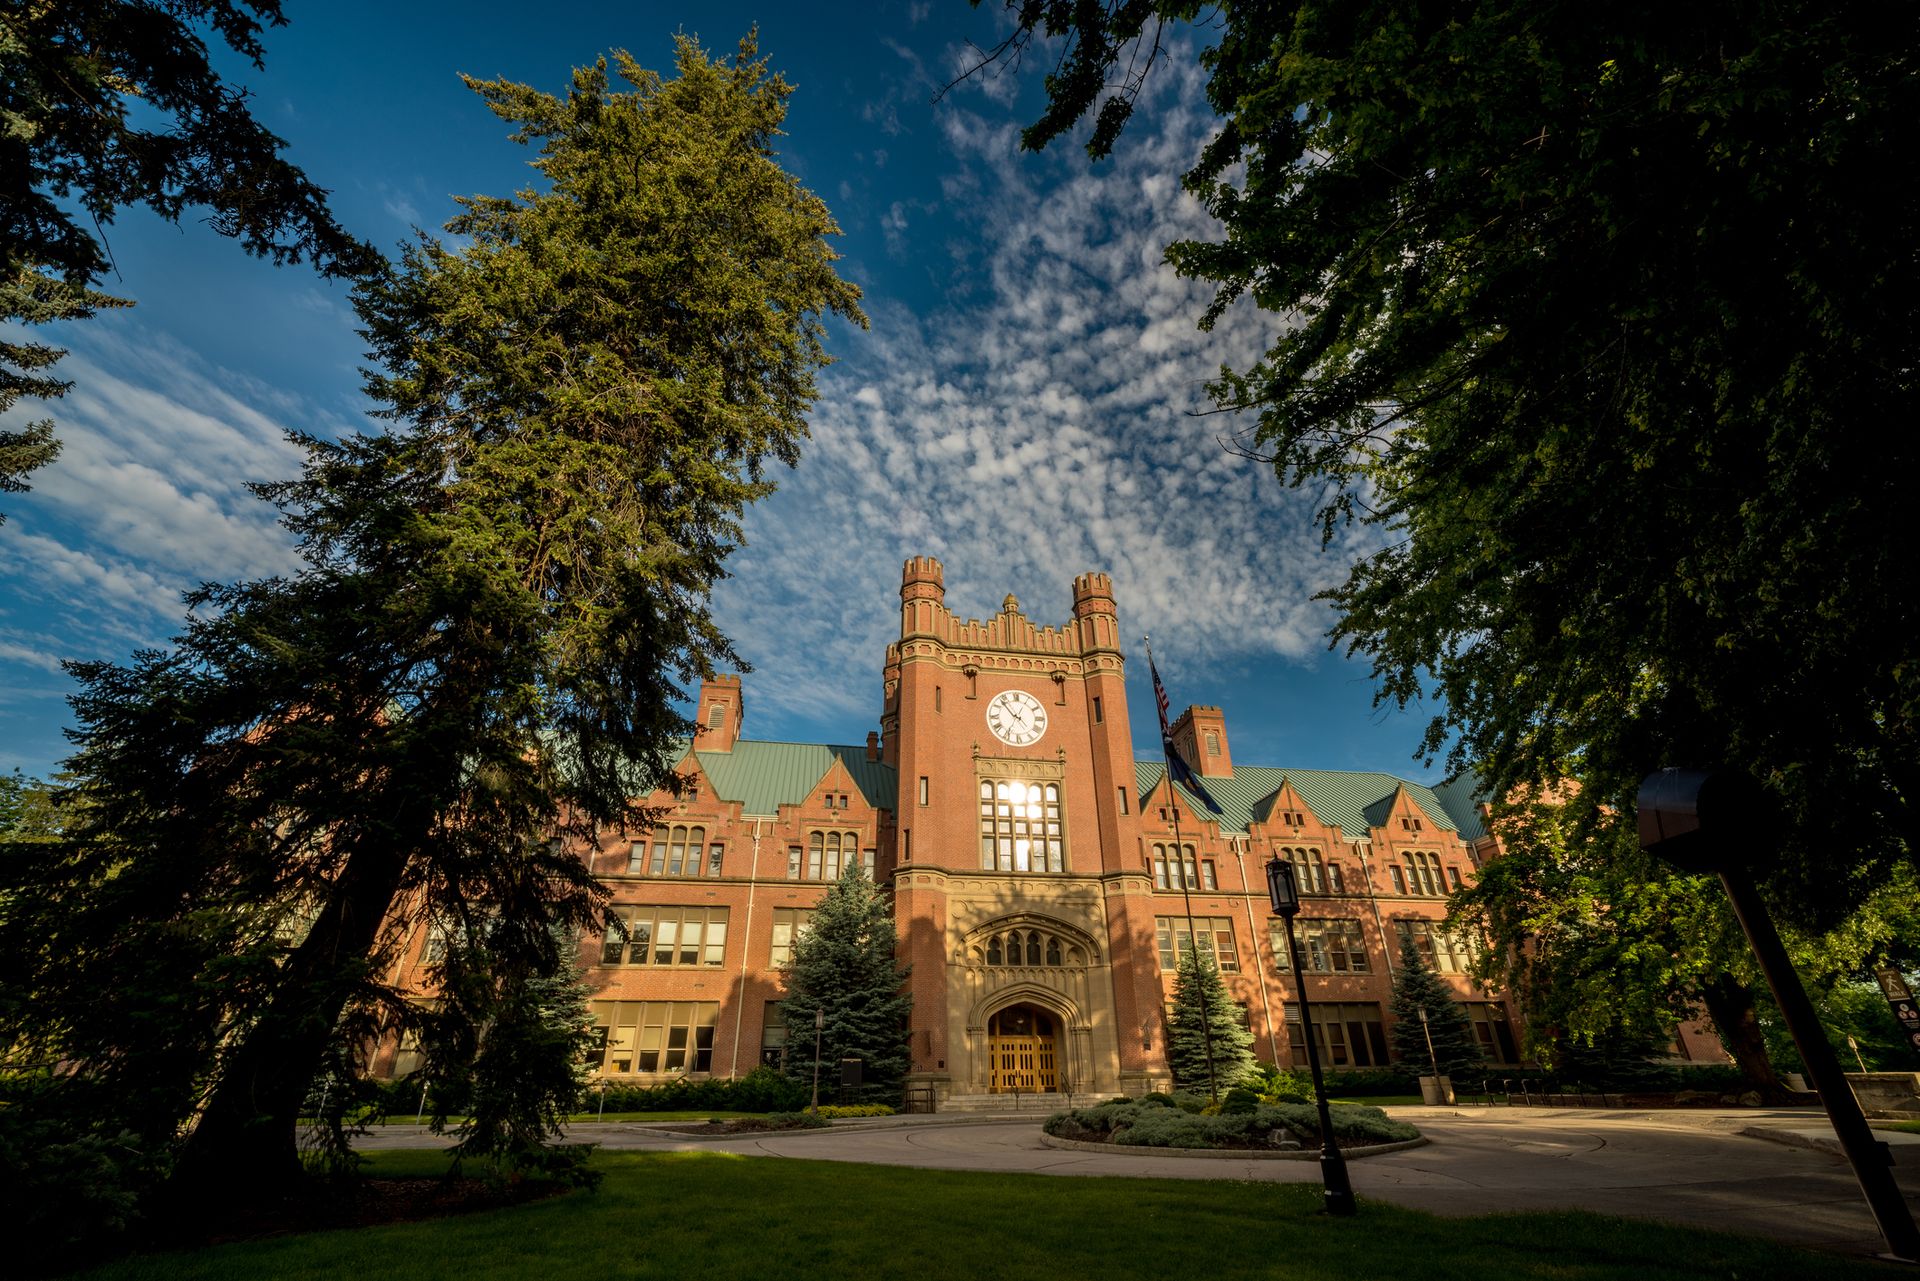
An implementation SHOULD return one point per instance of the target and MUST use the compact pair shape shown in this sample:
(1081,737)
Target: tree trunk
(1730,1004)
(245,1143)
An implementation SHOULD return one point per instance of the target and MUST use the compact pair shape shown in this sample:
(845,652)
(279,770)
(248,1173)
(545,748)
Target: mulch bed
(363,1203)
(1345,1142)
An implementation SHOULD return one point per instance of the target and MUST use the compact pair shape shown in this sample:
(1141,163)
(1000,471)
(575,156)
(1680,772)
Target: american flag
(1177,766)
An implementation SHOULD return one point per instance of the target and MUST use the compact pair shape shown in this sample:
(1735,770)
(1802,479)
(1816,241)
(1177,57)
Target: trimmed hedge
(856,1109)
(761,1090)
(1153,1126)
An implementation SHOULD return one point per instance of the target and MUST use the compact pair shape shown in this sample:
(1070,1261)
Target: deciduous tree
(1599,316)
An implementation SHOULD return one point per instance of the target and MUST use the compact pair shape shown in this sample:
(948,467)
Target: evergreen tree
(1415,988)
(845,965)
(500,598)
(1202,1011)
(110,103)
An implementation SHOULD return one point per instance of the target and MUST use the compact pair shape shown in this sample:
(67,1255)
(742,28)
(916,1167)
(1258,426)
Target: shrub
(1156,1098)
(1144,1125)
(796,1121)
(856,1109)
(1240,1100)
(1187,1101)
(1360,1083)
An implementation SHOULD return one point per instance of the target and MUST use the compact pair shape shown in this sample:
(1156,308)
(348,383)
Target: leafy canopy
(110,103)
(1600,315)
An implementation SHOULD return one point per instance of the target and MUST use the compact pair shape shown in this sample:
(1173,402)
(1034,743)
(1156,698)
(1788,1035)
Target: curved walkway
(1695,1168)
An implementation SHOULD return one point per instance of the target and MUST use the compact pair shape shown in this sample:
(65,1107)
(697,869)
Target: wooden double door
(1022,1051)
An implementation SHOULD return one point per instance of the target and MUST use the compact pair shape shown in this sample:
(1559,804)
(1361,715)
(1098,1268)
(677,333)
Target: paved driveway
(1694,1168)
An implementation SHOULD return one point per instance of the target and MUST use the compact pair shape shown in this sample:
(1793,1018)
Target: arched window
(1033,949)
(1053,951)
(993,950)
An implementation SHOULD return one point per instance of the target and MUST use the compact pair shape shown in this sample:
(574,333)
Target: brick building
(1037,881)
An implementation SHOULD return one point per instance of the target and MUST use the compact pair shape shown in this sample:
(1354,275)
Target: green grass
(1906,1127)
(1382,1100)
(708,1115)
(719,1216)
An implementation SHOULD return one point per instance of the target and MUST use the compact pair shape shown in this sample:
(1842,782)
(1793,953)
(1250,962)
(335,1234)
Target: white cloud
(1041,427)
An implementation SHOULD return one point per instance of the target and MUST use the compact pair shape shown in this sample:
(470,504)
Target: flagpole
(1180,862)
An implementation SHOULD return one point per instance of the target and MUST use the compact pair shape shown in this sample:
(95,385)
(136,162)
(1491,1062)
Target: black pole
(1871,1160)
(1333,1166)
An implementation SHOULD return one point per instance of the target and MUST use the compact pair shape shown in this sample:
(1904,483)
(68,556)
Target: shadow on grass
(722,1216)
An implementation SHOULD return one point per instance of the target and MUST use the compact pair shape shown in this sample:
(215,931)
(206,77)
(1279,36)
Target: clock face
(1016,718)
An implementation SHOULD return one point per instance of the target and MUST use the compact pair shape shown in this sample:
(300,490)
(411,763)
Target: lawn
(719,1216)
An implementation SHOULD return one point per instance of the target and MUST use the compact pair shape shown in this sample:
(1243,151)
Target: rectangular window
(1097,717)
(793,862)
(1399,880)
(716,855)
(1213,743)
(789,923)
(666,936)
(636,858)
(1495,1033)
(1020,827)
(773,1036)
(656,1036)
(866,860)
(936,698)
(1216,932)
(1349,1033)
(716,716)
(1159,869)
(1207,881)
(1336,878)
(1326,946)
(1453,877)
(1447,953)
(923,789)
(1123,800)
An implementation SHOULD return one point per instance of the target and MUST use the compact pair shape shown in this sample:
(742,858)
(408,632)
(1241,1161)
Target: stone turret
(922,578)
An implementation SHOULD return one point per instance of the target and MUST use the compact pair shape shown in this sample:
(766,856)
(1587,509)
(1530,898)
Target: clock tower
(1022,903)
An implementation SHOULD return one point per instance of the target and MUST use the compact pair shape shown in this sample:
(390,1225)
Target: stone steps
(1038,1105)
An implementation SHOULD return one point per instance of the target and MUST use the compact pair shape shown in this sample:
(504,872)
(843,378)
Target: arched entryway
(1023,1049)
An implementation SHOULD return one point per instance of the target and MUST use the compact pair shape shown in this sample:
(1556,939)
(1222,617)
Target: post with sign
(1906,1010)
(1708,823)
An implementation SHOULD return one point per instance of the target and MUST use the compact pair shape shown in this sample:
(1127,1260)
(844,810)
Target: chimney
(873,745)
(717,724)
(1200,736)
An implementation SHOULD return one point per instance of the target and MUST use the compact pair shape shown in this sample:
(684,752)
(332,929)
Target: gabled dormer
(1288,816)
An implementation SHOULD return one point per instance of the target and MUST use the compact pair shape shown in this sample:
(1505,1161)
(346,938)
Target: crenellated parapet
(928,627)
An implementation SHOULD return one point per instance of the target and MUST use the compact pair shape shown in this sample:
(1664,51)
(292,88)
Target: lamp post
(1715,824)
(1285,898)
(819,1025)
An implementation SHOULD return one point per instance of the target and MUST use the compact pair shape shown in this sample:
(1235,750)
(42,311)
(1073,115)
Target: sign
(1906,1009)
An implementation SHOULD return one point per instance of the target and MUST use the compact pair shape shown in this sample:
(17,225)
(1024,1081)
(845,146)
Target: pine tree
(1415,988)
(845,965)
(1202,1011)
(501,598)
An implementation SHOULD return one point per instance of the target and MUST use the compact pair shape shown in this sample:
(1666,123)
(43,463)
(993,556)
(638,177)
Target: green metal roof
(1352,800)
(1462,798)
(765,776)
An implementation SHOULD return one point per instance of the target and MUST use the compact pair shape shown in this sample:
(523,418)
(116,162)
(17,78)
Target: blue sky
(1022,407)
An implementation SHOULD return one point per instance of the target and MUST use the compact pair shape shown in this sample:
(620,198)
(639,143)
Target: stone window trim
(654,1037)
(1172,931)
(1328,945)
(1076,949)
(665,935)
(1025,835)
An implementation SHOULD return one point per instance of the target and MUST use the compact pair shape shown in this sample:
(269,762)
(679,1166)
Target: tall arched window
(994,955)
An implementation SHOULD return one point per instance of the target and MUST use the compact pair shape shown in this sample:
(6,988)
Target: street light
(1716,823)
(1333,1167)
(819,1025)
